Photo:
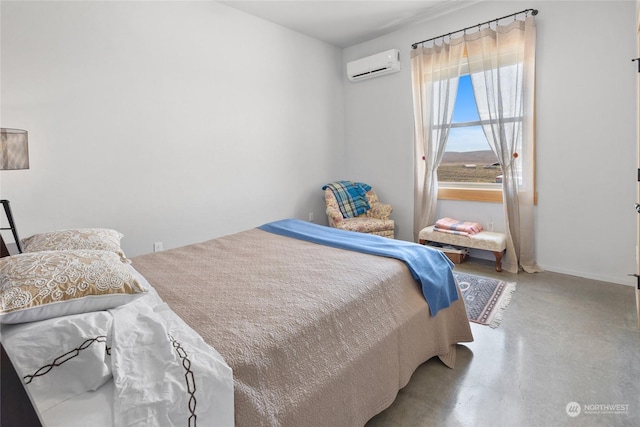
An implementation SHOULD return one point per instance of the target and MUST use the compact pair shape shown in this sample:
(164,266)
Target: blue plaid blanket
(431,268)
(351,197)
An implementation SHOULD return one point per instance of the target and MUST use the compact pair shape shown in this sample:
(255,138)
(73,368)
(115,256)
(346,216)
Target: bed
(312,334)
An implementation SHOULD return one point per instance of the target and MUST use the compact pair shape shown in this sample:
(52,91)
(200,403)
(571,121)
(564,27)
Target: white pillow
(42,285)
(61,358)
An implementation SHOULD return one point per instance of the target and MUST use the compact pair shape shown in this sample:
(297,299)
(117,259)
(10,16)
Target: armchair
(374,221)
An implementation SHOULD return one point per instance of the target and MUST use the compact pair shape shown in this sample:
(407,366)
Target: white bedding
(147,365)
(91,408)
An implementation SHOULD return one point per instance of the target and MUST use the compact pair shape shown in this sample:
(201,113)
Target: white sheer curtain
(434,73)
(502,67)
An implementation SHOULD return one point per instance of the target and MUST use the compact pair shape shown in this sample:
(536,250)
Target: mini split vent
(375,65)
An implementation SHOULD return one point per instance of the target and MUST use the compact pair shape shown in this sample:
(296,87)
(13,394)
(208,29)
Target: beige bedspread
(314,335)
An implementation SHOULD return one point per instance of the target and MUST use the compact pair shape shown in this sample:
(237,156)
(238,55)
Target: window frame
(481,192)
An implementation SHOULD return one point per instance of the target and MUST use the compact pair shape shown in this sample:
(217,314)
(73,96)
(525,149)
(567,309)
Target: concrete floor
(563,339)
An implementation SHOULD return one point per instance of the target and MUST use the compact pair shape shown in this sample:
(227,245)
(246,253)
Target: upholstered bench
(485,240)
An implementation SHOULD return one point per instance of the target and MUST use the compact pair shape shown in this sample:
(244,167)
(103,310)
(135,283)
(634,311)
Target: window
(468,157)
(469,169)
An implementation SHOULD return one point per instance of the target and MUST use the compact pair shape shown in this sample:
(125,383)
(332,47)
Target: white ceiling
(347,22)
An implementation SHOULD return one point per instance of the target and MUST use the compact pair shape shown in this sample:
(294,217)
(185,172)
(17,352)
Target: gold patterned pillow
(102,239)
(42,285)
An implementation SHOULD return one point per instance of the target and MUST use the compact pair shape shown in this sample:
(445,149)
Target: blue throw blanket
(351,197)
(430,267)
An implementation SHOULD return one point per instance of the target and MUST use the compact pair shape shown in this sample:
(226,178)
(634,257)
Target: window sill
(486,195)
(471,194)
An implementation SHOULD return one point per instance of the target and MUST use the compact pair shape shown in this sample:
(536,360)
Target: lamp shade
(14,149)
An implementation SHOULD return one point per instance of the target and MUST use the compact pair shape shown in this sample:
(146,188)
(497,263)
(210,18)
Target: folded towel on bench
(454,226)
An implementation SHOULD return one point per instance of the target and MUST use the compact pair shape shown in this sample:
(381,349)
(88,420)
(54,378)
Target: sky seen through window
(470,138)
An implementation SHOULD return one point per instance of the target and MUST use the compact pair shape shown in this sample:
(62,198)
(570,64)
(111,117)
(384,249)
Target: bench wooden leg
(498,261)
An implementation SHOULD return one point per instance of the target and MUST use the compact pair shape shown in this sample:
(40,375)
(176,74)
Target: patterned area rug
(486,299)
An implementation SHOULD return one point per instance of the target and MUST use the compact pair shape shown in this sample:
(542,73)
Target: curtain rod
(534,12)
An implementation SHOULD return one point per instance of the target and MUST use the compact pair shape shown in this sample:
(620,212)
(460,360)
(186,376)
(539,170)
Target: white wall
(169,121)
(586,132)
(182,121)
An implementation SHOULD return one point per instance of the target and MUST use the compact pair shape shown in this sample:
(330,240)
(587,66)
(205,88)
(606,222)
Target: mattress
(314,335)
(251,329)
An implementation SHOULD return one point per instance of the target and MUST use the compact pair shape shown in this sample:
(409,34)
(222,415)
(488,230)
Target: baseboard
(627,281)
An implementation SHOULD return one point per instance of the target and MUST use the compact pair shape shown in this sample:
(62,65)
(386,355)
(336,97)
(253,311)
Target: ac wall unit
(375,65)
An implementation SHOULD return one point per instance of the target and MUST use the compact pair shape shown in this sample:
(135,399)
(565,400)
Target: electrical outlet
(311,216)
(157,246)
